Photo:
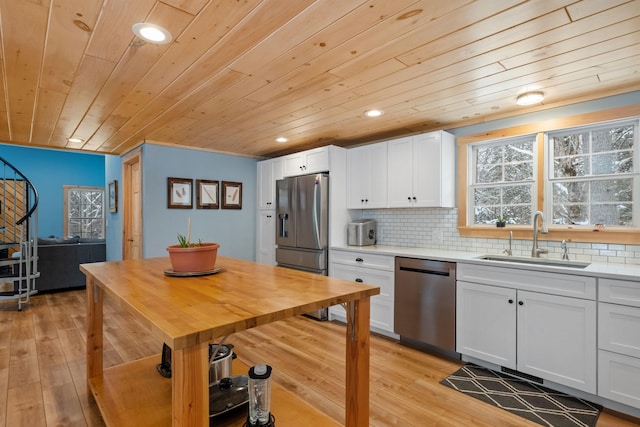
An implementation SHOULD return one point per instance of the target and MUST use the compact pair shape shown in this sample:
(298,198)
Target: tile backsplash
(437,228)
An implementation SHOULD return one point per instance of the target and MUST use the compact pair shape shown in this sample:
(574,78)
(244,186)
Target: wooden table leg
(357,363)
(95,345)
(190,386)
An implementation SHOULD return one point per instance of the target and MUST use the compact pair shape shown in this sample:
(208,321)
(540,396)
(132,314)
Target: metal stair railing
(18,235)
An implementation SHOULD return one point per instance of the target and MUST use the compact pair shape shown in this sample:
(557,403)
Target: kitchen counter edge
(595,269)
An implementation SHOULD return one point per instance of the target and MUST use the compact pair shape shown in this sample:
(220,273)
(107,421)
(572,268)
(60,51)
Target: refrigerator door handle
(283,224)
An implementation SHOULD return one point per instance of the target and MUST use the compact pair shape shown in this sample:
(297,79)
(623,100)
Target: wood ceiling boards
(240,73)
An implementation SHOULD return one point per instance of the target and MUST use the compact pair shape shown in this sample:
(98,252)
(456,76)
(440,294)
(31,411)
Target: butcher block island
(187,313)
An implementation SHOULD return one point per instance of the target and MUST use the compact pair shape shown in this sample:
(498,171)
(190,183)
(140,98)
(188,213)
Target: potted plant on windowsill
(187,257)
(500,222)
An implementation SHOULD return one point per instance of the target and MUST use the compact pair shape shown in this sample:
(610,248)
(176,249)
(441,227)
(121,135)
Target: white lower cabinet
(549,336)
(619,378)
(266,238)
(372,269)
(619,341)
(485,323)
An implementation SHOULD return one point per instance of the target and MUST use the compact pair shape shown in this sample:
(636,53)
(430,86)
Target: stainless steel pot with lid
(220,361)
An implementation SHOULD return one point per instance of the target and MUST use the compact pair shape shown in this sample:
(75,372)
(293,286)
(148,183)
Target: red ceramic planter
(194,259)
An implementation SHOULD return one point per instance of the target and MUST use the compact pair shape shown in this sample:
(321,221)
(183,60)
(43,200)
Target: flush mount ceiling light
(281,139)
(151,33)
(530,98)
(373,113)
(75,140)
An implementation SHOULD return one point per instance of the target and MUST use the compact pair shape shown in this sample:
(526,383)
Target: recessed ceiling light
(281,139)
(75,140)
(151,33)
(373,113)
(530,98)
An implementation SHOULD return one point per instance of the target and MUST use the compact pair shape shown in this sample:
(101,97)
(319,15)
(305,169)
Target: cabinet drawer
(619,291)
(386,262)
(529,280)
(381,278)
(619,378)
(619,329)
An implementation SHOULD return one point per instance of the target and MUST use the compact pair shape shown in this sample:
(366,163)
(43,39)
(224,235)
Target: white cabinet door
(377,176)
(434,170)
(306,162)
(421,171)
(367,177)
(400,172)
(357,173)
(269,171)
(316,160)
(619,378)
(266,233)
(557,339)
(486,323)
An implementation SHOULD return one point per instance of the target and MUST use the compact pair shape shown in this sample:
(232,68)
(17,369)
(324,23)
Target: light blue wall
(234,230)
(50,170)
(113,171)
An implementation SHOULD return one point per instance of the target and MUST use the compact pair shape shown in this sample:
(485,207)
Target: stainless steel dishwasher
(425,302)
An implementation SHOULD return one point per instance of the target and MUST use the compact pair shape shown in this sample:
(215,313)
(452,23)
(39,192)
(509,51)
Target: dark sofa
(59,261)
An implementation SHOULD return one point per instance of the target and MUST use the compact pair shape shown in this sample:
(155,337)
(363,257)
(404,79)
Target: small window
(84,212)
(502,181)
(592,173)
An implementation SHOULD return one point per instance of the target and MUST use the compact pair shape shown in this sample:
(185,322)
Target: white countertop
(595,269)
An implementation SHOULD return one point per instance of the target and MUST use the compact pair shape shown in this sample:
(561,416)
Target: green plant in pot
(501,221)
(188,257)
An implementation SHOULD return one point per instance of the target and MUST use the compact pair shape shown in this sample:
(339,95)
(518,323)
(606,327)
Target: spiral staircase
(18,235)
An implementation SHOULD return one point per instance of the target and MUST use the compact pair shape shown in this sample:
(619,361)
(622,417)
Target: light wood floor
(42,369)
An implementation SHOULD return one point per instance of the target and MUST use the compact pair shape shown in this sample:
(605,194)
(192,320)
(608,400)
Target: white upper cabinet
(269,171)
(421,171)
(367,177)
(305,162)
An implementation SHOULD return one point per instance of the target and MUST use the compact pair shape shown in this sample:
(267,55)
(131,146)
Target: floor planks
(42,368)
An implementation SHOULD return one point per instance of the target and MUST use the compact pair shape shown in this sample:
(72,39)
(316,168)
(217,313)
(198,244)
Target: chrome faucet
(535,250)
(565,254)
(508,251)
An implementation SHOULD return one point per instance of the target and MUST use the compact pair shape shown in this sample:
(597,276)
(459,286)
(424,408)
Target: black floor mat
(528,400)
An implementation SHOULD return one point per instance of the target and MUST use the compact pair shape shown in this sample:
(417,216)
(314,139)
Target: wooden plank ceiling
(240,73)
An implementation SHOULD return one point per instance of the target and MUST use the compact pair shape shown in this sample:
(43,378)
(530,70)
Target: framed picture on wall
(179,193)
(231,195)
(207,194)
(113,196)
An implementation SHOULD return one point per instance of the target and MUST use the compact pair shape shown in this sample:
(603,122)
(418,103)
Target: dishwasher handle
(423,271)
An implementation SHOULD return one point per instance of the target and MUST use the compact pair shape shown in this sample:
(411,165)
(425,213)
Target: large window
(502,181)
(592,175)
(84,212)
(582,172)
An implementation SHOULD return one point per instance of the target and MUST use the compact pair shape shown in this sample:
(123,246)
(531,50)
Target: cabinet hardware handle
(359,260)
(520,303)
(414,198)
(366,200)
(268,216)
(409,198)
(359,280)
(361,200)
(510,301)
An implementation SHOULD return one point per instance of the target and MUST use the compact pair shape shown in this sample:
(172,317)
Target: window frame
(473,169)
(66,190)
(467,229)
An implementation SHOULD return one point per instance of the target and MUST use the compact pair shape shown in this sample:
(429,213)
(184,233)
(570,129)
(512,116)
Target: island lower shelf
(136,394)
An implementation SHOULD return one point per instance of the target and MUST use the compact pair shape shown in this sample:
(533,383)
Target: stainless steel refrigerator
(302,222)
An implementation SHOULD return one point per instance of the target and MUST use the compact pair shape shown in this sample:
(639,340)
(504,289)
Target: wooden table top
(184,311)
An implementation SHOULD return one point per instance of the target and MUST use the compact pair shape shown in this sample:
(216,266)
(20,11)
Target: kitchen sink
(535,261)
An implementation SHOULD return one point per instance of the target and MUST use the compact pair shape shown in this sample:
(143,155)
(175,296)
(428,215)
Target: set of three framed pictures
(209,194)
